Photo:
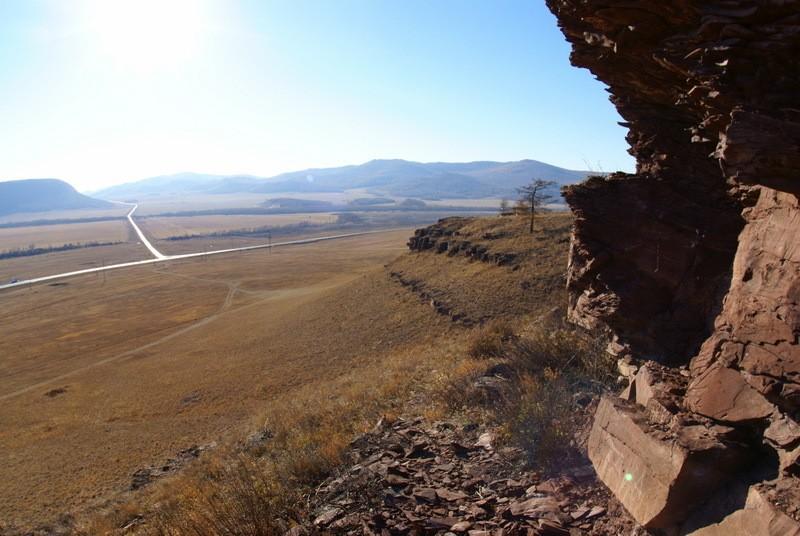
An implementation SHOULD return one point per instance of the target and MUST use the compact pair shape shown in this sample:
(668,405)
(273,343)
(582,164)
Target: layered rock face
(695,259)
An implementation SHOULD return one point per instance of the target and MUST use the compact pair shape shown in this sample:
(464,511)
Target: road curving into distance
(160,257)
(157,254)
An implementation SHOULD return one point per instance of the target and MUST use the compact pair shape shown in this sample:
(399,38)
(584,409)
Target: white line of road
(157,254)
(165,258)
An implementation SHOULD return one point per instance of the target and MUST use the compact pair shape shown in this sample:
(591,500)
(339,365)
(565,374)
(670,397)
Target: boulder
(658,389)
(659,476)
(722,394)
(656,383)
(783,432)
(759,517)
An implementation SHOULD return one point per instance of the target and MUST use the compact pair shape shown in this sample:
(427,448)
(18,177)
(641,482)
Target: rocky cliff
(693,262)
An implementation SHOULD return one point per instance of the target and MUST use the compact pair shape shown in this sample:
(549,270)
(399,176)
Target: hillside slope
(400,178)
(481,269)
(479,410)
(43,195)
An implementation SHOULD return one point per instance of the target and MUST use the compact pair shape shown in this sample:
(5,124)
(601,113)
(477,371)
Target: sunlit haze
(98,92)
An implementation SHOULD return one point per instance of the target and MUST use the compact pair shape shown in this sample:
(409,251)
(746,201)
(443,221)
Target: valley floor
(100,379)
(127,401)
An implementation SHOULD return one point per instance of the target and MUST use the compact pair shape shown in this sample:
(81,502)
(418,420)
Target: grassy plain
(160,204)
(44,236)
(68,261)
(114,211)
(99,380)
(160,228)
(254,487)
(165,203)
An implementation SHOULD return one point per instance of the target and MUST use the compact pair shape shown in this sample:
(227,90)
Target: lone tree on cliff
(535,195)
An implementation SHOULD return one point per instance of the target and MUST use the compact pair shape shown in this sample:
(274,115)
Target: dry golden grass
(192,245)
(160,228)
(483,290)
(308,344)
(67,261)
(43,236)
(257,489)
(112,211)
(490,340)
(217,341)
(554,366)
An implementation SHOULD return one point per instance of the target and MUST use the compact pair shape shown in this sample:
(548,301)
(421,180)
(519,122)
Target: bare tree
(535,195)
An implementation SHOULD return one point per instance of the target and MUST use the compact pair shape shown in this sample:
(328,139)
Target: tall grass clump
(557,369)
(491,339)
(539,406)
(242,497)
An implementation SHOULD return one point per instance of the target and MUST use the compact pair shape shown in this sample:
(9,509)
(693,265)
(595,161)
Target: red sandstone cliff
(695,259)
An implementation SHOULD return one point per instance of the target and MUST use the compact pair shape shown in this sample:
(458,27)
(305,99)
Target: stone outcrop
(655,470)
(694,260)
(760,516)
(445,237)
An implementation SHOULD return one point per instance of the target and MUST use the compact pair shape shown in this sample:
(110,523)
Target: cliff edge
(695,259)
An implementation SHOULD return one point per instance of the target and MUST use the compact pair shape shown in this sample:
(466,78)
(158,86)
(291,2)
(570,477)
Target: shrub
(243,498)
(541,415)
(543,420)
(562,350)
(457,390)
(491,340)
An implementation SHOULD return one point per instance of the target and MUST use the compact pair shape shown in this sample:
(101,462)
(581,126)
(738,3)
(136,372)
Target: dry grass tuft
(534,385)
(457,390)
(242,498)
(557,369)
(491,339)
(564,350)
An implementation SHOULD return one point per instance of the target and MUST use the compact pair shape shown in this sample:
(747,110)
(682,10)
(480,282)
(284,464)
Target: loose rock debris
(409,477)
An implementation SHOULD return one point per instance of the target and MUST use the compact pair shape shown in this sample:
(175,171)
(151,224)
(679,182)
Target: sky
(98,92)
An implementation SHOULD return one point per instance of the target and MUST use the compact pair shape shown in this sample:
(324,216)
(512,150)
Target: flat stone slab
(759,517)
(659,476)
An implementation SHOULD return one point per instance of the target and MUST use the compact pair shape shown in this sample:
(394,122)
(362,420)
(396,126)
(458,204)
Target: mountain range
(399,178)
(42,195)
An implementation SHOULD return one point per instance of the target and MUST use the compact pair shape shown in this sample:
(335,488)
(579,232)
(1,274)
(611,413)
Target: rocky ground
(410,476)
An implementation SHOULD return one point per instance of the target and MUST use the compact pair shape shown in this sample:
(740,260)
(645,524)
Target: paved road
(165,258)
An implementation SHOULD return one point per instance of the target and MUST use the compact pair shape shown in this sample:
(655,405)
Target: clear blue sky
(103,91)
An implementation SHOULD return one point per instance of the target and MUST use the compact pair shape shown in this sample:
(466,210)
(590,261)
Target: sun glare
(146,35)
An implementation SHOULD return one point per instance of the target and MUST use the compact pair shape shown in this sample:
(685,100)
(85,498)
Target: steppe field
(110,376)
(115,211)
(44,236)
(120,244)
(101,378)
(166,227)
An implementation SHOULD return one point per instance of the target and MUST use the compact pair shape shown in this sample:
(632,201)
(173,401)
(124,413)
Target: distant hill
(43,195)
(400,178)
(180,183)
